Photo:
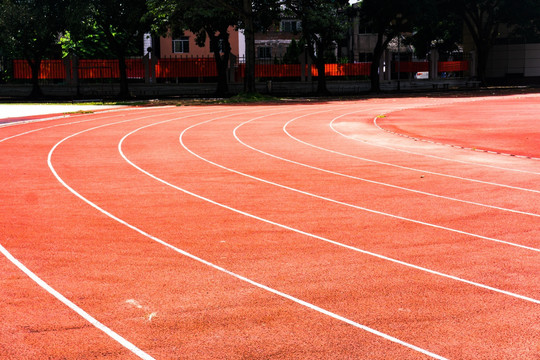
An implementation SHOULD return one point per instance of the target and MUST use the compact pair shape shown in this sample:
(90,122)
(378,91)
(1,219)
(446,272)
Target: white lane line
(371,181)
(434,272)
(403,167)
(235,275)
(207,263)
(135,350)
(122,341)
(440,227)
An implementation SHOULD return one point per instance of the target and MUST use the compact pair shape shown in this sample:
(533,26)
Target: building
(273,43)
(185,46)
(511,57)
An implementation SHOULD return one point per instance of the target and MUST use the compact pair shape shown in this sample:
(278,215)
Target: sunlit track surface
(262,232)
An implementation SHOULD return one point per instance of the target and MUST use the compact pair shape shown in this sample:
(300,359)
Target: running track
(374,229)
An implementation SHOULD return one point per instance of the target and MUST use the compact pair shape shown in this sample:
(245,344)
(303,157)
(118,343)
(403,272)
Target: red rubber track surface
(270,232)
(502,125)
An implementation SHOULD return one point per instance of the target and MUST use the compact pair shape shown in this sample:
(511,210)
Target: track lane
(31,224)
(371,193)
(271,129)
(229,181)
(384,166)
(332,232)
(142,204)
(207,264)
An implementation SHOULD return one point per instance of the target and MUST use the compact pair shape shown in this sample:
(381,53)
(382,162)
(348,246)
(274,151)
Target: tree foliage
(387,19)
(119,24)
(30,29)
(252,16)
(206,21)
(324,23)
(438,28)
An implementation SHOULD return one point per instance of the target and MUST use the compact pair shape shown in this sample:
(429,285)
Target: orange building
(185,46)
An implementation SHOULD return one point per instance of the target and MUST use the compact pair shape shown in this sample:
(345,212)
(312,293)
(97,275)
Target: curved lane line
(125,343)
(440,227)
(261,286)
(372,181)
(235,275)
(434,272)
(403,167)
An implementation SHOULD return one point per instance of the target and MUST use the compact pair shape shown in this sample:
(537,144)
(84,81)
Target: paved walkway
(22,111)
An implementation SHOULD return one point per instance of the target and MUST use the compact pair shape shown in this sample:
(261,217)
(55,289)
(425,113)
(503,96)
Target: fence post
(309,68)
(434,65)
(67,69)
(472,64)
(385,66)
(232,64)
(75,74)
(302,58)
(146,64)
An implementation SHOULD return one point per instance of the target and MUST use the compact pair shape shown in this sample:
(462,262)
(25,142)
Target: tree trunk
(375,64)
(321,78)
(483,53)
(124,89)
(222,66)
(35,66)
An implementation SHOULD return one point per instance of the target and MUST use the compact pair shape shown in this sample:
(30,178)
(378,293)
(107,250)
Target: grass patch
(79,112)
(250,98)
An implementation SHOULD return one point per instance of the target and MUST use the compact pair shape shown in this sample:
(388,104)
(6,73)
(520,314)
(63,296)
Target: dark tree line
(34,29)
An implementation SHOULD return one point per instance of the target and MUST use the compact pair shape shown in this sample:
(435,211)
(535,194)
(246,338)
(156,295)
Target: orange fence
(50,69)
(108,69)
(358,69)
(295,70)
(186,68)
(451,66)
(422,66)
(206,68)
(87,69)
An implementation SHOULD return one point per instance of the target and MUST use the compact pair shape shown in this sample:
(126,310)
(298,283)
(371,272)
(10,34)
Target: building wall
(514,60)
(166,46)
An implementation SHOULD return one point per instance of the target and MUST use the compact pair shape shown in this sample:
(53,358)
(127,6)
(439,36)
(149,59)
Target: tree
(293,52)
(387,19)
(438,28)
(324,22)
(122,25)
(88,41)
(31,29)
(253,16)
(206,22)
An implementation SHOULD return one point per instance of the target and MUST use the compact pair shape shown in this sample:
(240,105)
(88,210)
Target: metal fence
(204,69)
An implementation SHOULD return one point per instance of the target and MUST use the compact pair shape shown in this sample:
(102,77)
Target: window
(291,26)
(181,45)
(265,52)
